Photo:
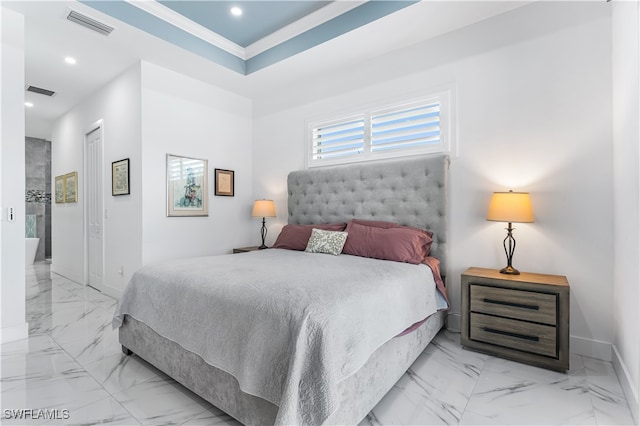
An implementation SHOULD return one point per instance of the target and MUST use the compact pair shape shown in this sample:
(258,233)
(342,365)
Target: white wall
(533,113)
(146,113)
(118,106)
(12,252)
(626,166)
(183,116)
(37,127)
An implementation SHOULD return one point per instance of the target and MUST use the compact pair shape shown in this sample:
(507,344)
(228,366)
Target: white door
(95,221)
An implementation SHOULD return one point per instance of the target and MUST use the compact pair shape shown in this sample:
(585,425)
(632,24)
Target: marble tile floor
(72,361)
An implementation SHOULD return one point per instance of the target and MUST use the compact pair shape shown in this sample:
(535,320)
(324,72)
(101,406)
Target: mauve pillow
(296,237)
(400,244)
(387,225)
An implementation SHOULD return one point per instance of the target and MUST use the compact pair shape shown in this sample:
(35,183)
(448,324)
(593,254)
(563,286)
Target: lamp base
(509,270)
(263,233)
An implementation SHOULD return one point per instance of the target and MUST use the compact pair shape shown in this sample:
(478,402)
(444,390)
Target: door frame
(96,126)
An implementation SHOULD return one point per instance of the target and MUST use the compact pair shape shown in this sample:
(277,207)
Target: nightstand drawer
(518,335)
(245,249)
(520,317)
(523,305)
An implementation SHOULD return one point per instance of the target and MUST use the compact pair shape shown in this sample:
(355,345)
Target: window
(337,139)
(408,128)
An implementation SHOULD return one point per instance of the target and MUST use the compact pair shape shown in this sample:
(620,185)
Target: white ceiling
(50,37)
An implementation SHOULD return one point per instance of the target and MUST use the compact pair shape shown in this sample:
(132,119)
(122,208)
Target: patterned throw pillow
(330,242)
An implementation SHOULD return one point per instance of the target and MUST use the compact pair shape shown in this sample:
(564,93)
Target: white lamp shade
(510,207)
(264,208)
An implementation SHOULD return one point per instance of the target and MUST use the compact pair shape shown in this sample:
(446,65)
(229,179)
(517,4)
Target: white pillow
(330,242)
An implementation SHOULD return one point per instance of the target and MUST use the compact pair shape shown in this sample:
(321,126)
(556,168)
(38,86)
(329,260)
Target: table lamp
(510,207)
(263,209)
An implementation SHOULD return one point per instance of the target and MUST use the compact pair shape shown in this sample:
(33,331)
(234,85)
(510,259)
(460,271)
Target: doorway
(94,208)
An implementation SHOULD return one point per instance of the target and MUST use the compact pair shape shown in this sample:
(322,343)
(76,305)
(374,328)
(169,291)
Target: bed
(297,337)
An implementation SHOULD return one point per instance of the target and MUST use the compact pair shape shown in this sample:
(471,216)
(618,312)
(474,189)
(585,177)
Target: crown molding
(302,25)
(174,18)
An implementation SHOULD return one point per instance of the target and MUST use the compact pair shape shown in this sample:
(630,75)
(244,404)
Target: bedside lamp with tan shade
(263,209)
(510,207)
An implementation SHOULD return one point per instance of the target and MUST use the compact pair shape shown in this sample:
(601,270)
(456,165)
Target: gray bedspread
(288,325)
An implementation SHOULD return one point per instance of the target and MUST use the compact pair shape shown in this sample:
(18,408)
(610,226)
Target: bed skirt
(359,393)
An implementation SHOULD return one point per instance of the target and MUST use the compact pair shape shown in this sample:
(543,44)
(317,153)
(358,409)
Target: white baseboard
(67,273)
(453,322)
(577,345)
(630,390)
(15,332)
(112,291)
(590,348)
(109,291)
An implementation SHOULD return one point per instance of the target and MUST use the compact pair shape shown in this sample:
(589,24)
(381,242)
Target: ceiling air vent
(90,23)
(40,91)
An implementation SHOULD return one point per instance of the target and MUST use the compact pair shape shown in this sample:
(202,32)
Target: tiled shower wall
(38,191)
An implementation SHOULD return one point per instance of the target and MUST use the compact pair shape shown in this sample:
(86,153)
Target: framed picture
(224,182)
(120,177)
(186,186)
(59,189)
(71,187)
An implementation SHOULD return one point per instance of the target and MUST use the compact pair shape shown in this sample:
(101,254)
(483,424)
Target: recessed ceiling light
(70,60)
(28,104)
(236,11)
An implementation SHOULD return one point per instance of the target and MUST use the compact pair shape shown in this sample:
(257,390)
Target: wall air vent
(90,23)
(40,91)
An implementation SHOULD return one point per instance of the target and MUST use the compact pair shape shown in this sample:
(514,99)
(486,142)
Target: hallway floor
(72,361)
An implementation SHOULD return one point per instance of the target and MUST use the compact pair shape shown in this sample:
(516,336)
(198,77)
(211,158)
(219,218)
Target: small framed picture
(71,187)
(224,182)
(120,177)
(59,189)
(186,186)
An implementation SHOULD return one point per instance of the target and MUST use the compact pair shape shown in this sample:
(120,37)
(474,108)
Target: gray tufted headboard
(408,191)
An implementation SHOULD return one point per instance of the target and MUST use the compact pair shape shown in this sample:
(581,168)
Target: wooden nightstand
(522,317)
(245,249)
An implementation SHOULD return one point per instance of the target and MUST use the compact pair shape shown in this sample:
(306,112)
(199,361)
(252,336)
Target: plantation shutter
(339,139)
(406,128)
(413,127)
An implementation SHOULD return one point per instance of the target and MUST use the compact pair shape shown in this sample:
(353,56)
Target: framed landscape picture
(224,182)
(186,186)
(59,189)
(71,187)
(120,177)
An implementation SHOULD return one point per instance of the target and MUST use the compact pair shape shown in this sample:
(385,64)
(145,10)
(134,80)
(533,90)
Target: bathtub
(31,247)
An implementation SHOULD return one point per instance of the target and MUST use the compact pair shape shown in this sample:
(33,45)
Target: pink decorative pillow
(296,237)
(387,225)
(400,244)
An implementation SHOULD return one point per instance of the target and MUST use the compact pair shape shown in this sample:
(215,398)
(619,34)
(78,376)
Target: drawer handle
(507,333)
(515,305)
